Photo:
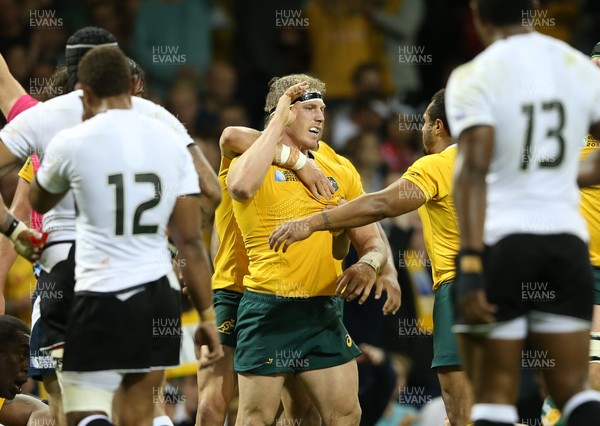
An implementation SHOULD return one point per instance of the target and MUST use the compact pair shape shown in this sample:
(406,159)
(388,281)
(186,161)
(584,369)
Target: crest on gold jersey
(334,183)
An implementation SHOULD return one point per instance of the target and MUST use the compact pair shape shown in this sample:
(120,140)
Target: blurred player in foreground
(590,209)
(29,133)
(520,110)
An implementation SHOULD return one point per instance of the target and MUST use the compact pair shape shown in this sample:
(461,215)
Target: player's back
(32,131)
(126,175)
(535,91)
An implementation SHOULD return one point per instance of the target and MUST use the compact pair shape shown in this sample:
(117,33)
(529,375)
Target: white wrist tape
(285,154)
(301,162)
(15,233)
(369,260)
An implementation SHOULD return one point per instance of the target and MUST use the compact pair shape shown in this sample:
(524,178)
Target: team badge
(227,327)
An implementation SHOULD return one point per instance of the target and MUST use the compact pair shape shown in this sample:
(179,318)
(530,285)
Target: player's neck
(113,102)
(441,144)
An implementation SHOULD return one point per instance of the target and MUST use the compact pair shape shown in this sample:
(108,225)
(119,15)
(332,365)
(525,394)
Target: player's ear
(132,84)
(438,127)
(87,93)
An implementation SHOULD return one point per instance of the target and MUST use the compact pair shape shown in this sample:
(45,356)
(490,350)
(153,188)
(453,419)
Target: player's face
(14,361)
(427,132)
(596,61)
(306,130)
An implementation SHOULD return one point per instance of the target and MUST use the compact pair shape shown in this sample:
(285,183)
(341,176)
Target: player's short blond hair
(278,86)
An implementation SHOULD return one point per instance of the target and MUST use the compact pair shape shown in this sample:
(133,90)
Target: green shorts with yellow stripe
(226,304)
(289,335)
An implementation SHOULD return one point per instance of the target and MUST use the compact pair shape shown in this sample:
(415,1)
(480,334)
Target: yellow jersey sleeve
(433,175)
(429,174)
(231,261)
(26,171)
(589,205)
(1,403)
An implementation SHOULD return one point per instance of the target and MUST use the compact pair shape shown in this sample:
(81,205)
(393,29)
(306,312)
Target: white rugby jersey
(541,97)
(125,174)
(31,131)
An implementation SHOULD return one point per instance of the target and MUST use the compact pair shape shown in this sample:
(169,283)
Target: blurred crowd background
(209,62)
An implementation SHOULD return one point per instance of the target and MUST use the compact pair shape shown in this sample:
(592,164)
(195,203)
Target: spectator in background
(13,28)
(363,151)
(340,39)
(219,91)
(399,148)
(182,102)
(399,21)
(18,61)
(556,18)
(377,381)
(173,39)
(265,47)
(361,118)
(232,114)
(103,14)
(398,412)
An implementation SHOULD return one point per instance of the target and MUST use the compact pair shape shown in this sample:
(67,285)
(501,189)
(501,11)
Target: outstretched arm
(400,197)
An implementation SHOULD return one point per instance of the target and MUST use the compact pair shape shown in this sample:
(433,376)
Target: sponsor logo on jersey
(227,327)
(348,340)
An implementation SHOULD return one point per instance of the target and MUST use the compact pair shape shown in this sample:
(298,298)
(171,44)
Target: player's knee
(256,415)
(354,416)
(348,415)
(211,410)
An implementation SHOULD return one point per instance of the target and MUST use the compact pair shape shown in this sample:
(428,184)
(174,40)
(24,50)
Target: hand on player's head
(284,106)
